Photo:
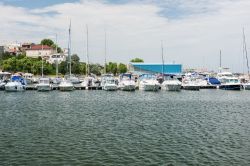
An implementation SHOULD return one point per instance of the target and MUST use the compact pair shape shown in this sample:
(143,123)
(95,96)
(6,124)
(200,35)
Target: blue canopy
(213,81)
(18,79)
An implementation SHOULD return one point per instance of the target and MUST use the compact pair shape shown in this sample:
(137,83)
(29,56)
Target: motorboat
(91,81)
(148,82)
(56,80)
(108,83)
(246,85)
(4,78)
(228,81)
(16,84)
(28,77)
(2,85)
(171,83)
(44,84)
(66,85)
(190,83)
(126,83)
(73,79)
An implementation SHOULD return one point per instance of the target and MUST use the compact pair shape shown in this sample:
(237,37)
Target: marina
(124,83)
(206,127)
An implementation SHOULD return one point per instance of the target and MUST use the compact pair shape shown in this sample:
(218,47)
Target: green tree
(137,60)
(112,68)
(63,67)
(47,42)
(75,58)
(96,69)
(5,56)
(50,43)
(122,68)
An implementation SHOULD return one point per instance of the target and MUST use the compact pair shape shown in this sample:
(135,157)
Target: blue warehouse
(140,68)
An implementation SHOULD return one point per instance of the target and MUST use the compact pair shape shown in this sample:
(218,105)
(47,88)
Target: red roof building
(40,47)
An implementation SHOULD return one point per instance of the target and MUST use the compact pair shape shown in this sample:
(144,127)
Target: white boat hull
(110,87)
(127,87)
(149,87)
(14,87)
(246,86)
(44,87)
(66,88)
(173,87)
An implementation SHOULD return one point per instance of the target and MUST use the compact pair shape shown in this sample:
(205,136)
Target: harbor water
(206,127)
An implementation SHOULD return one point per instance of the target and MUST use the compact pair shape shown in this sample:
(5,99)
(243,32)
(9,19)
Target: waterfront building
(12,48)
(58,57)
(40,51)
(155,68)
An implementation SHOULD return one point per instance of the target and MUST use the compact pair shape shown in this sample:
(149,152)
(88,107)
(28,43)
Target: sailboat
(66,84)
(108,81)
(170,82)
(246,85)
(44,83)
(57,79)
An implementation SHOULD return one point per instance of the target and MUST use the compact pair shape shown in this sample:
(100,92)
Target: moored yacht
(171,83)
(28,77)
(246,85)
(16,84)
(66,85)
(148,82)
(73,79)
(108,83)
(126,83)
(4,78)
(190,83)
(44,84)
(228,81)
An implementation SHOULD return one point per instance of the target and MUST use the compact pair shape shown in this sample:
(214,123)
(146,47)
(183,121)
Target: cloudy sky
(192,31)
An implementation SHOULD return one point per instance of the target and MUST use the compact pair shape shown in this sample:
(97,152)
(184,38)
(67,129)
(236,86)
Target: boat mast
(69,47)
(56,60)
(105,52)
(42,62)
(87,51)
(245,49)
(162,56)
(220,62)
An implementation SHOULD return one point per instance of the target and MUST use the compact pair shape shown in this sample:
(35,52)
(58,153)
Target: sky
(193,32)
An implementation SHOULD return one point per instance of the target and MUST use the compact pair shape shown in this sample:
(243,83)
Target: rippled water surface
(210,127)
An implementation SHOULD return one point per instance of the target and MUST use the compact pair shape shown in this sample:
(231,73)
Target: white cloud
(136,29)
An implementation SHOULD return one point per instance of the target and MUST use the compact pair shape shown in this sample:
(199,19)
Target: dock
(56,87)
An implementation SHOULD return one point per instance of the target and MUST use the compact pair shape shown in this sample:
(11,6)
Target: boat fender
(15,87)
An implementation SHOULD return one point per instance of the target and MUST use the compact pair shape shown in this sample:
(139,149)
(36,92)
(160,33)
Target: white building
(40,51)
(13,48)
(59,57)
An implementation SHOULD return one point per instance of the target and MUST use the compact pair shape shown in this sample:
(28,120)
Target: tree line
(22,63)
